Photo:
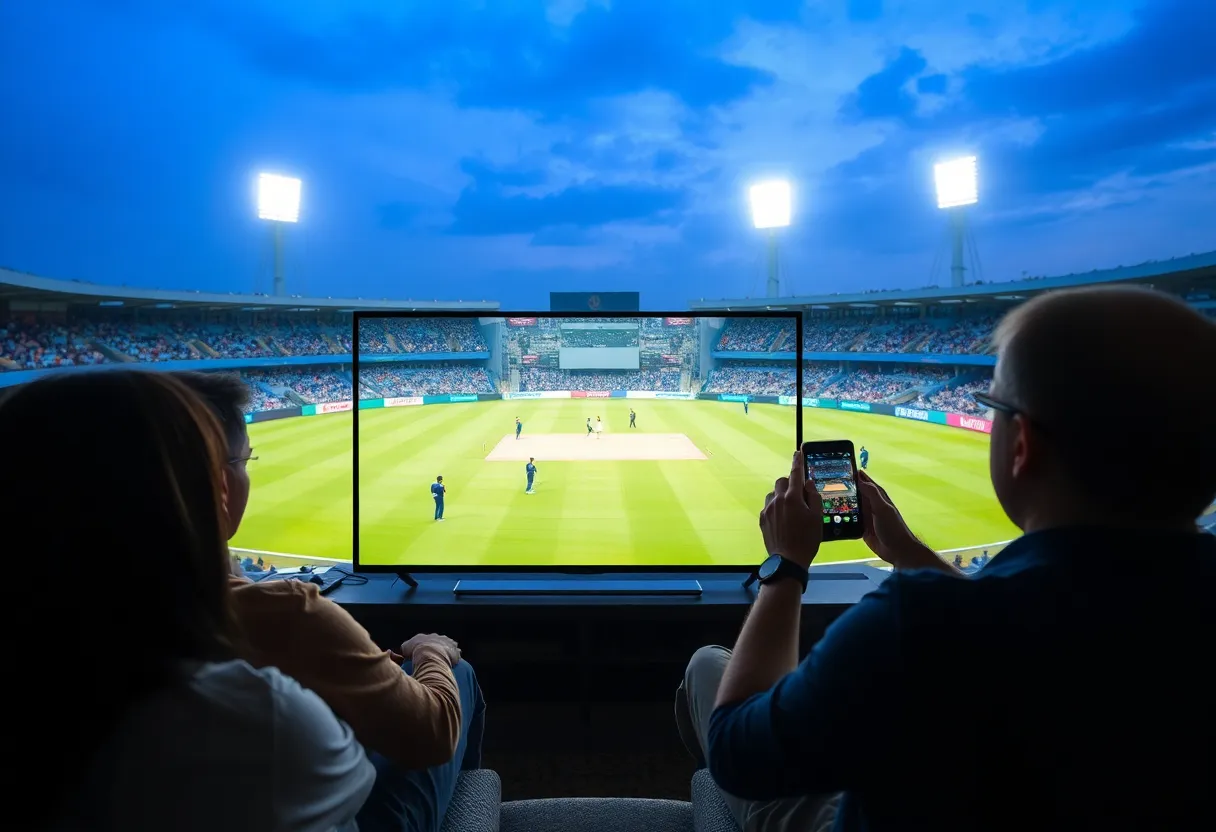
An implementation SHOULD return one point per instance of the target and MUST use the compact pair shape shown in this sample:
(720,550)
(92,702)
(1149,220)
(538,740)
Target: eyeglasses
(996,404)
(242,461)
(1008,409)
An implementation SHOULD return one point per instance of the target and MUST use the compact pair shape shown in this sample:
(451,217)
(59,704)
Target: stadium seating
(391,380)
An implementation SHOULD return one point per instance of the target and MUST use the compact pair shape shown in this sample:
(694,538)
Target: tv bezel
(571,569)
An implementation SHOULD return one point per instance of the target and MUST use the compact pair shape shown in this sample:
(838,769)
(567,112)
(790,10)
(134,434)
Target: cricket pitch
(581,447)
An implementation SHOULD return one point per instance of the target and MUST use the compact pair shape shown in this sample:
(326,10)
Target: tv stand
(402,575)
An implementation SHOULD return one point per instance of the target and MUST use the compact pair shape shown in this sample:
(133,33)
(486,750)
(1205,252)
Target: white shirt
(232,749)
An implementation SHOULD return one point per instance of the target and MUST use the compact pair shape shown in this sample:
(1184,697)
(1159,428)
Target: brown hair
(1120,380)
(226,394)
(114,483)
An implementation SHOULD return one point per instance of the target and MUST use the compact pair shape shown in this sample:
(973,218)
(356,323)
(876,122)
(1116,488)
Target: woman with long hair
(136,714)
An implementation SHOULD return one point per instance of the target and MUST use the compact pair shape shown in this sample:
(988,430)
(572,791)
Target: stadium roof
(1179,272)
(21,287)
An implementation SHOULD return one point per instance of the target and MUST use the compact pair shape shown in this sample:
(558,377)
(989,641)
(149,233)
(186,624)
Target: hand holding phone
(831,468)
(789,520)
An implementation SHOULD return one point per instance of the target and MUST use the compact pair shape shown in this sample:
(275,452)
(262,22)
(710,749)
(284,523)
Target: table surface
(830,585)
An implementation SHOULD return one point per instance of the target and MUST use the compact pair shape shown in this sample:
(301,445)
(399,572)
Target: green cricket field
(683,488)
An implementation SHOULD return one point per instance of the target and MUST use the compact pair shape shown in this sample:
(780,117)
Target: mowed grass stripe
(657,512)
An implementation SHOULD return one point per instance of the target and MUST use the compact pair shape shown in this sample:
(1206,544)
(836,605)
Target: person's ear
(1024,449)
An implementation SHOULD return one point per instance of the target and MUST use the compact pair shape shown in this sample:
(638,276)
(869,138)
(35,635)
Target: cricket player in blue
(518,427)
(531,469)
(745,407)
(438,489)
(865,457)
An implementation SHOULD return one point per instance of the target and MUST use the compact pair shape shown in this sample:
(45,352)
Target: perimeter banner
(539,394)
(335,407)
(403,401)
(450,398)
(960,420)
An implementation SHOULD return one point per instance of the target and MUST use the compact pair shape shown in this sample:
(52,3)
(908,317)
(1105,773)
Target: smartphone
(832,467)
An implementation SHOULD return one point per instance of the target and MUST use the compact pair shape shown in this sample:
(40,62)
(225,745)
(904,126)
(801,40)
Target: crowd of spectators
(831,336)
(314,386)
(260,400)
(532,379)
(39,346)
(912,335)
(420,335)
(751,334)
(752,381)
(876,386)
(957,399)
(26,345)
(392,381)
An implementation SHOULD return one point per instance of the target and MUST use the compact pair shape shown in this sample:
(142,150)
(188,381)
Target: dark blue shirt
(437,490)
(531,469)
(1067,685)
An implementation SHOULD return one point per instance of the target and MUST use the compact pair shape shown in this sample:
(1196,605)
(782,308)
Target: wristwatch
(776,568)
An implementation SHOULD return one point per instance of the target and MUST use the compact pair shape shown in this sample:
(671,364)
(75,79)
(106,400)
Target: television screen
(553,442)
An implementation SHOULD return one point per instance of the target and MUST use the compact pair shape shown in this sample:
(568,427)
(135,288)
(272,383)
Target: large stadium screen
(615,442)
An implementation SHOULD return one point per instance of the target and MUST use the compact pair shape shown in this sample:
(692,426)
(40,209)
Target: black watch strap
(776,568)
(780,568)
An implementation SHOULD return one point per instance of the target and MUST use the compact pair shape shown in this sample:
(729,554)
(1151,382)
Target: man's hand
(432,642)
(792,518)
(885,531)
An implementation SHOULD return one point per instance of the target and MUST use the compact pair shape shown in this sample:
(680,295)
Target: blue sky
(505,149)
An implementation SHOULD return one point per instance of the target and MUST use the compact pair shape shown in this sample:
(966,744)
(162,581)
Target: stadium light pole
(278,204)
(957,188)
(771,211)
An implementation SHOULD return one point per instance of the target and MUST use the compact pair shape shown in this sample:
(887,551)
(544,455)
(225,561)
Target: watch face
(769,567)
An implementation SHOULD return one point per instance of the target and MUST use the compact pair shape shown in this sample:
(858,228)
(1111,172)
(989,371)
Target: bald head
(1122,383)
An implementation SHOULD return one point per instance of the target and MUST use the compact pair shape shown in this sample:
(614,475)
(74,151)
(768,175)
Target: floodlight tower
(278,204)
(770,212)
(956,189)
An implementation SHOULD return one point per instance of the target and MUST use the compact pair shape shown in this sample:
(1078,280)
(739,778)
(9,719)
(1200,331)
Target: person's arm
(412,720)
(321,774)
(767,648)
(829,724)
(888,535)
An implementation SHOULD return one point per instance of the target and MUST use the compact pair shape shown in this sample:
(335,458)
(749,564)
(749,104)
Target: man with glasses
(1086,639)
(421,727)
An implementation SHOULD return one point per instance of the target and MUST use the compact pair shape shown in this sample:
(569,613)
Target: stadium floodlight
(278,203)
(770,211)
(278,198)
(956,189)
(770,204)
(956,182)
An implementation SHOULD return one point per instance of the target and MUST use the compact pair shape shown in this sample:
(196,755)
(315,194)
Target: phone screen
(830,466)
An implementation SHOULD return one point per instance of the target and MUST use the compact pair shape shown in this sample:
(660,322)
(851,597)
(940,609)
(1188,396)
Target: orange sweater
(412,720)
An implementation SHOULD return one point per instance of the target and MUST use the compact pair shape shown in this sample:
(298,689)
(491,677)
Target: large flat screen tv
(617,443)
